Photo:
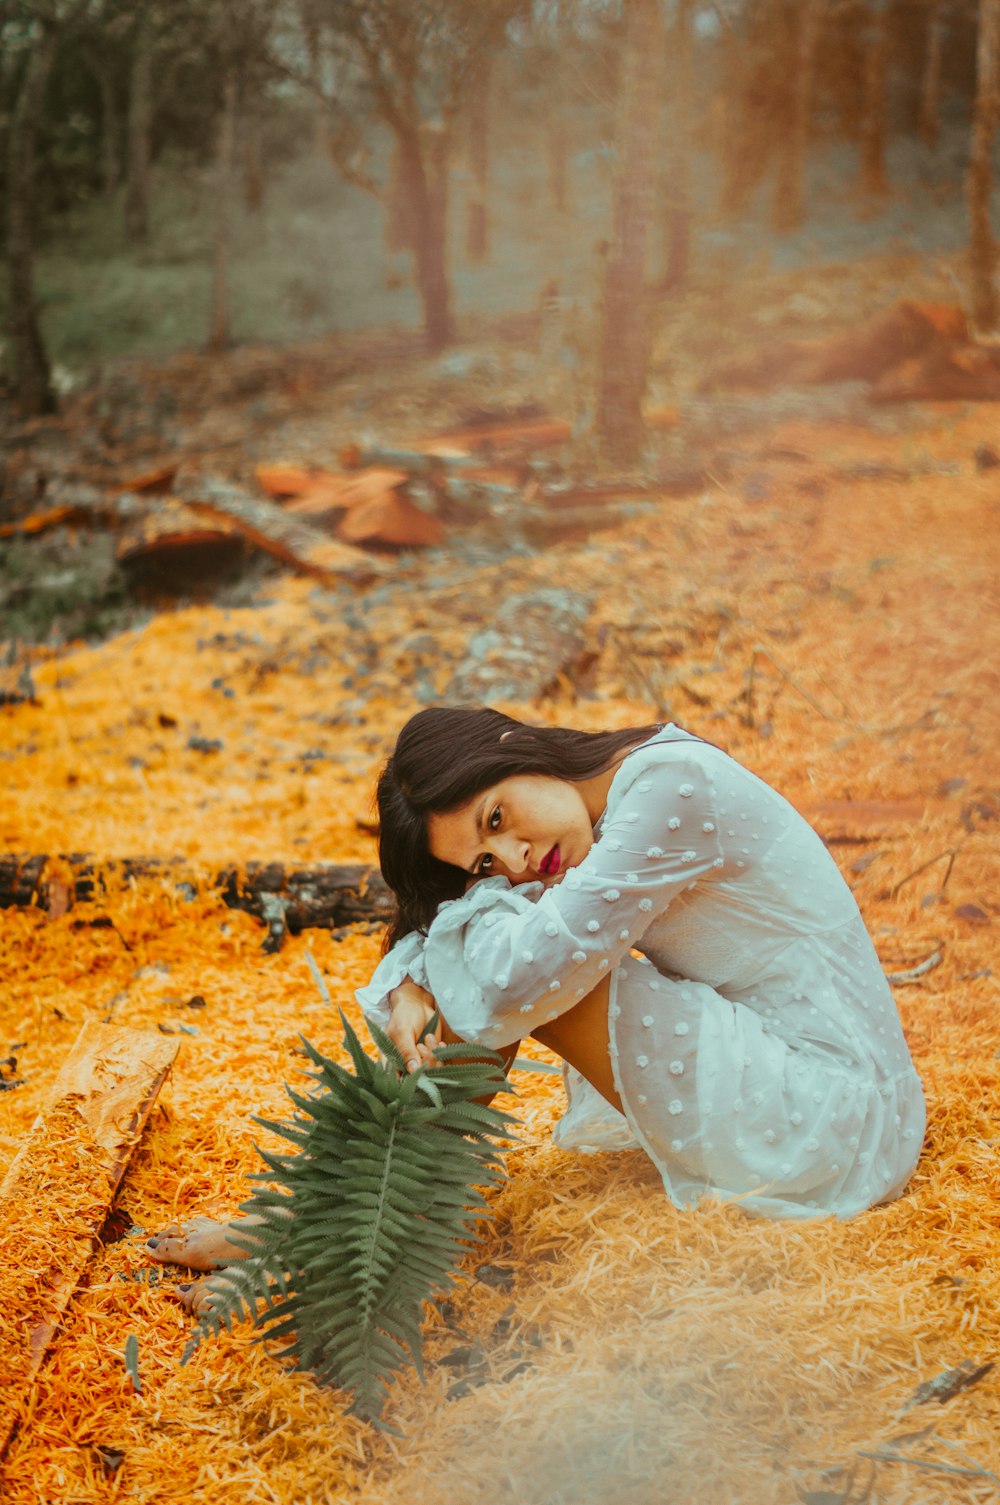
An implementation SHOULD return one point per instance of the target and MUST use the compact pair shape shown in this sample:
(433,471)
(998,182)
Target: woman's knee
(580,1036)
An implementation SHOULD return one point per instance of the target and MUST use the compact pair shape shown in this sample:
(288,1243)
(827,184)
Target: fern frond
(368,1217)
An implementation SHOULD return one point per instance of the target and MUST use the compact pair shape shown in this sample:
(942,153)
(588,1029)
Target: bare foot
(196,1295)
(200,1244)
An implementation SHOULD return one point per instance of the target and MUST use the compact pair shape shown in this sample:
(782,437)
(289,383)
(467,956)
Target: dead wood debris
(57,1191)
(327,895)
(911,351)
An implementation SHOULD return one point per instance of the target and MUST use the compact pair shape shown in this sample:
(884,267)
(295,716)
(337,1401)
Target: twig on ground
(946,1441)
(320,979)
(748,716)
(943,1468)
(950,852)
(762,652)
(920,970)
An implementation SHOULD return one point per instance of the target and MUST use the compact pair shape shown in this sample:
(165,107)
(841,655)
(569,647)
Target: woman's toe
(167,1248)
(195,1295)
(185,1244)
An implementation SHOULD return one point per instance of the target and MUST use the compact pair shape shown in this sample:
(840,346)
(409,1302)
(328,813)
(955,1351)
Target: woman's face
(527,827)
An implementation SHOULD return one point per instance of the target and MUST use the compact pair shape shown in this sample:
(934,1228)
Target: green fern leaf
(370,1216)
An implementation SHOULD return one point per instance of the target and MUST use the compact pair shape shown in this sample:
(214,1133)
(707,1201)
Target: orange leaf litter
(628,1350)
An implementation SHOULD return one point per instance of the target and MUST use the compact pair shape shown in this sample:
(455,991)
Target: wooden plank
(59,1188)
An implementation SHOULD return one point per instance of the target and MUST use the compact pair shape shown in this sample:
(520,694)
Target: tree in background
(100,51)
(930,83)
(802,29)
(625,333)
(139,124)
(674,211)
(417,61)
(982,244)
(165,37)
(238,36)
(751,92)
(477,122)
(34,30)
(875,105)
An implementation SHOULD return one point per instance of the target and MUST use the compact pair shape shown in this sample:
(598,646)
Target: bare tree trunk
(309,16)
(874,110)
(675,184)
(930,85)
(220,332)
(625,332)
(139,128)
(8,67)
(398,223)
(101,66)
(253,158)
(557,125)
(558,144)
(789,193)
(424,169)
(982,244)
(477,229)
(749,129)
(31,376)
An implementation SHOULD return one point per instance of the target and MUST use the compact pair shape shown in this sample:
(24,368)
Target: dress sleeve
(406,959)
(527,954)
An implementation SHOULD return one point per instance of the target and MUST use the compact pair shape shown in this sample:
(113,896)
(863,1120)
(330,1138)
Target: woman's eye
(494,820)
(485,864)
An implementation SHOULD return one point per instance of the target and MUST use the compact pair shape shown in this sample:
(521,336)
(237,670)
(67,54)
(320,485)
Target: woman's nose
(514,854)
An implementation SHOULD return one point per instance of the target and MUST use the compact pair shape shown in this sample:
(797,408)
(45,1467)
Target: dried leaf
(973,914)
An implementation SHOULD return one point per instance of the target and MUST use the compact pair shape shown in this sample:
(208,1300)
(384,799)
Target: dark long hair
(444,756)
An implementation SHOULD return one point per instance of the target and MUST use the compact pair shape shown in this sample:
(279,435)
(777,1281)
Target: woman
(752,1044)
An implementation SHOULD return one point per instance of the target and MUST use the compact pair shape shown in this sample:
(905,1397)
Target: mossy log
(325,896)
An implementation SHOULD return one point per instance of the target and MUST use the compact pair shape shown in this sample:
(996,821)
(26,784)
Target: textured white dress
(755,1044)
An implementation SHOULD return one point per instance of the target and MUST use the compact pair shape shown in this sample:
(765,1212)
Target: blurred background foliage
(189,172)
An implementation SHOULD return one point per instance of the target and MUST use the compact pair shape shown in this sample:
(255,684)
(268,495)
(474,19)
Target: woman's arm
(403,964)
(534,955)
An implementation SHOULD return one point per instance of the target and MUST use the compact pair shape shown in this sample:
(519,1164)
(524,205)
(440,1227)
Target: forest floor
(825,606)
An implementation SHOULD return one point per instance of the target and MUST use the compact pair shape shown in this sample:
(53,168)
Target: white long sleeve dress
(755,1044)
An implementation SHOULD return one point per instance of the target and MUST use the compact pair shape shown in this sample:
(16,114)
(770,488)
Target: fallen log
(43,522)
(498,438)
(153,482)
(533,640)
(423,457)
(72,505)
(865,353)
(59,1188)
(328,896)
(170,549)
(287,538)
(942,373)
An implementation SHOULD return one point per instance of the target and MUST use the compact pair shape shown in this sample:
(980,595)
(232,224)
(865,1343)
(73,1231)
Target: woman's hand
(411,1009)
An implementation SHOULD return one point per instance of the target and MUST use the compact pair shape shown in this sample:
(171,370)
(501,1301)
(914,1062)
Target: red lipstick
(550,862)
